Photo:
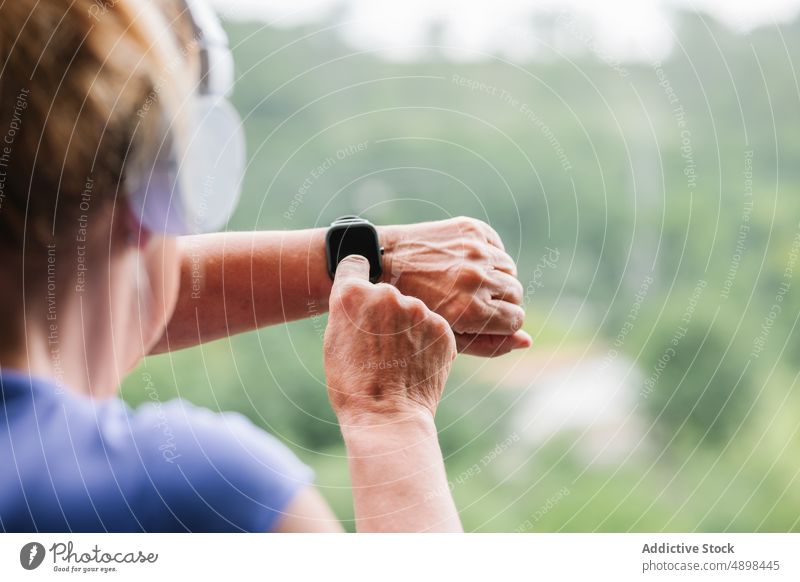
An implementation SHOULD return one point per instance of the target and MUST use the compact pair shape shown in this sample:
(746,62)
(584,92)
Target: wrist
(398,475)
(389,236)
(373,434)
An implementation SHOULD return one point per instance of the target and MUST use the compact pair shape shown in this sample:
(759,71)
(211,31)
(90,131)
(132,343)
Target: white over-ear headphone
(192,183)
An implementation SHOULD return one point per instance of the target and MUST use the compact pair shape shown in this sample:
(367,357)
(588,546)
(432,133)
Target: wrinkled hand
(460,269)
(385,354)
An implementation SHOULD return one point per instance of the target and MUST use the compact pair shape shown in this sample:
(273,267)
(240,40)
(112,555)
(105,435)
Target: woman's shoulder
(216,468)
(178,428)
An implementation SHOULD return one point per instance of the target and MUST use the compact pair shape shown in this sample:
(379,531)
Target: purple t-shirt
(74,464)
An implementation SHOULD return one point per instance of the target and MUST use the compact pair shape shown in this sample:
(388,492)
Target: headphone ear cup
(151,181)
(210,179)
(193,184)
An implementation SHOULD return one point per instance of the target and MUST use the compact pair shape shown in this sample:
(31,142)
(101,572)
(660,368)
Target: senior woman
(118,146)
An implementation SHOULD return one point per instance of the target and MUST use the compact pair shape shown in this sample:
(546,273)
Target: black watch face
(359,239)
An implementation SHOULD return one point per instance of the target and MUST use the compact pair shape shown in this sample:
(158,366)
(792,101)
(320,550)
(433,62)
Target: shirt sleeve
(214,472)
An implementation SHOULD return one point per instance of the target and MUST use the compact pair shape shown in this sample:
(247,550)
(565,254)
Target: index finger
(351,268)
(493,238)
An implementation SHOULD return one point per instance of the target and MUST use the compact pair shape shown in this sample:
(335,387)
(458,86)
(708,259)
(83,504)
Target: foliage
(596,166)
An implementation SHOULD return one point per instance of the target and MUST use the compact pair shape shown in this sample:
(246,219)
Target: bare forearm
(398,478)
(237,282)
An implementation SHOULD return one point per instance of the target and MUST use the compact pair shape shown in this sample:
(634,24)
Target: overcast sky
(620,28)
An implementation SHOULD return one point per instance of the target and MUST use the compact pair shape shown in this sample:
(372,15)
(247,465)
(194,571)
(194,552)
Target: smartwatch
(351,235)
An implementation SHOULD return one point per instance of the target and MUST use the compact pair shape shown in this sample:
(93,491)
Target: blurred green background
(653,210)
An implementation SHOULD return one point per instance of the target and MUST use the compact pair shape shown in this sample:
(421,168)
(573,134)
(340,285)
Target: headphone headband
(216,61)
(194,182)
